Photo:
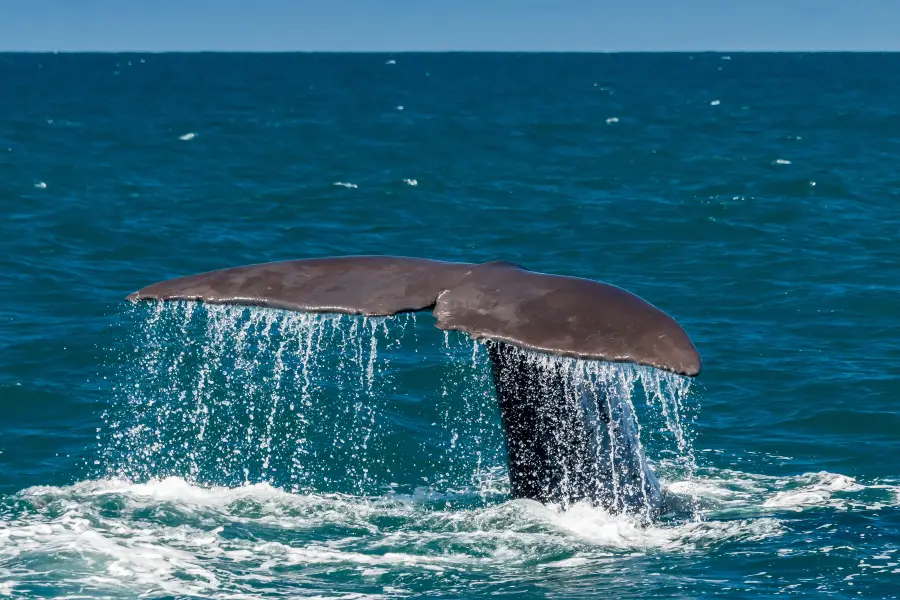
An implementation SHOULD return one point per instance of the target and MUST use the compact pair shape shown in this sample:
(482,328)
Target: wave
(170,537)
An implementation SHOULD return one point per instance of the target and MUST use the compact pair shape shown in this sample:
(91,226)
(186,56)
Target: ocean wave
(171,537)
(727,491)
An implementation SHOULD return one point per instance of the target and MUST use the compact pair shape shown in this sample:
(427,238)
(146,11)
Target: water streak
(587,441)
(231,395)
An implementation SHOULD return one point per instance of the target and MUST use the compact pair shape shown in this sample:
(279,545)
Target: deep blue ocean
(179,451)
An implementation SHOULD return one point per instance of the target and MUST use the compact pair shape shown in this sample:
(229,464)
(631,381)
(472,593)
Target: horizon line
(476,51)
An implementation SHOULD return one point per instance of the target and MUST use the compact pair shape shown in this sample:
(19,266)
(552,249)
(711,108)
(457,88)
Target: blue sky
(396,25)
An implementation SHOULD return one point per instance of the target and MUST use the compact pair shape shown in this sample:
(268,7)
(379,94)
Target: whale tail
(567,439)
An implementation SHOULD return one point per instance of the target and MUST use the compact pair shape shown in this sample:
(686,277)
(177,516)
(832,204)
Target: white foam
(352,186)
(612,120)
(391,62)
(782,161)
(40,185)
(567,563)
(187,136)
(410,182)
(715,103)
(167,536)
(726,491)
(257,503)
(171,537)
(599,528)
(815,489)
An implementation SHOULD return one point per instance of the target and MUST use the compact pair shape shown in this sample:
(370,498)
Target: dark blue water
(177,453)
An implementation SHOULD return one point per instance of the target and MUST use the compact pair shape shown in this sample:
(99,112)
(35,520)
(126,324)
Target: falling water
(575,433)
(231,395)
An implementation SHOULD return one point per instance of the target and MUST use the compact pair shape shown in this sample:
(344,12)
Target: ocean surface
(178,451)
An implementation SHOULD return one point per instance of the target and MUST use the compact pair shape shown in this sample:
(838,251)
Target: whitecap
(511,525)
(346,185)
(40,185)
(187,136)
(575,561)
(782,161)
(726,491)
(410,182)
(715,103)
(814,489)
(612,120)
(173,537)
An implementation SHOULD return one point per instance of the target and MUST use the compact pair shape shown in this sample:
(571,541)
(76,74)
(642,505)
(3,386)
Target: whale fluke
(500,301)
(554,434)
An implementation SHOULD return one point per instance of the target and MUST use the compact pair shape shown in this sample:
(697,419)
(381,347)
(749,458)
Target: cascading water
(573,431)
(231,395)
(256,453)
(228,395)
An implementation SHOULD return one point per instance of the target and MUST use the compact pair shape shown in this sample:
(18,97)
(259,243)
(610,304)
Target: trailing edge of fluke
(567,316)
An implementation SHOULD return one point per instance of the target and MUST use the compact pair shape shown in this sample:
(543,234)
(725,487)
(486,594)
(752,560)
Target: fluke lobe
(497,301)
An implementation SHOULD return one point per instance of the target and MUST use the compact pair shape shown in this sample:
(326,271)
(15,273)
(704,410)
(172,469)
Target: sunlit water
(259,452)
(186,452)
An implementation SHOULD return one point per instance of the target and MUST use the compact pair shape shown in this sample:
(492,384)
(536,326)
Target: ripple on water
(168,536)
(173,537)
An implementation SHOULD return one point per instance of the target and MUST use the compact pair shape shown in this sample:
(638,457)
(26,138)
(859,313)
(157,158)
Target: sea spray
(472,449)
(224,394)
(230,395)
(575,432)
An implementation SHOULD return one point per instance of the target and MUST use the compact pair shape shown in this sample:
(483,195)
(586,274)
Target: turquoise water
(173,452)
